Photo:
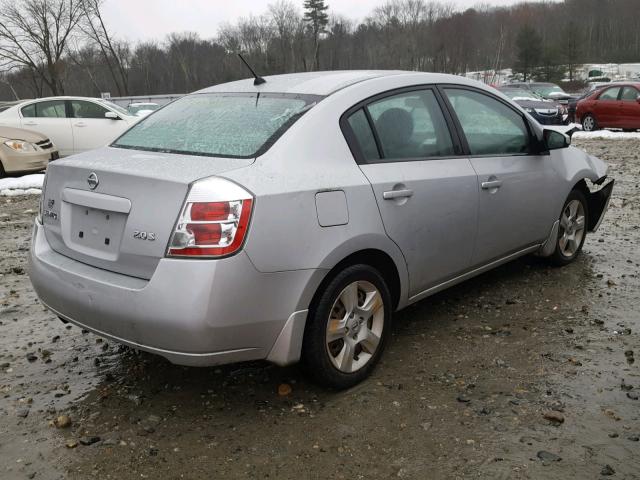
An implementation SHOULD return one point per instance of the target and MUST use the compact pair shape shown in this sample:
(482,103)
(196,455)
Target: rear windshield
(218,124)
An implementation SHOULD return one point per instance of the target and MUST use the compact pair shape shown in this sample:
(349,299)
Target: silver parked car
(292,218)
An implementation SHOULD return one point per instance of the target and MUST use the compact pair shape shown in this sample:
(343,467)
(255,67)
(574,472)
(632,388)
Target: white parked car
(74,124)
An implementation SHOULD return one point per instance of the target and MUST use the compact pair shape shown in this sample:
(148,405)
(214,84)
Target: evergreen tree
(529,48)
(316,17)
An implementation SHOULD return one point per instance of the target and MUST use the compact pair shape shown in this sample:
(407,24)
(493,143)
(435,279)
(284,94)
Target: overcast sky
(153,19)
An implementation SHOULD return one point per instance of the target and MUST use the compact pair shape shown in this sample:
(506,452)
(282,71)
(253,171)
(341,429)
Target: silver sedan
(290,219)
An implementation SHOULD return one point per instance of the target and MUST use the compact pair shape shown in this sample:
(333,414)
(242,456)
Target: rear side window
(610,94)
(218,124)
(411,125)
(491,127)
(48,109)
(29,111)
(361,129)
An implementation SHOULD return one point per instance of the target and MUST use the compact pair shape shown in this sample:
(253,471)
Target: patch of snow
(607,134)
(14,192)
(25,185)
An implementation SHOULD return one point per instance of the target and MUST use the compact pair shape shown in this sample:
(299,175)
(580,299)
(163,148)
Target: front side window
(84,109)
(218,124)
(411,125)
(610,94)
(490,126)
(629,94)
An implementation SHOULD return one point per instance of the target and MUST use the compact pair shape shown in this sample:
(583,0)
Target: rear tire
(347,327)
(589,123)
(2,172)
(572,231)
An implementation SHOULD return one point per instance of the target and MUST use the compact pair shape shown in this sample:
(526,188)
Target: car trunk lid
(115,209)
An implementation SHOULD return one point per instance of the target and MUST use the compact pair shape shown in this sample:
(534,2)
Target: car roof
(318,83)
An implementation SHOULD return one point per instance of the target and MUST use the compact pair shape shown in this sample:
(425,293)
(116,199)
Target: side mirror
(555,140)
(111,115)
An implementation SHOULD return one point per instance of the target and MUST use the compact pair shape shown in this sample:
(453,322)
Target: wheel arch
(375,258)
(288,346)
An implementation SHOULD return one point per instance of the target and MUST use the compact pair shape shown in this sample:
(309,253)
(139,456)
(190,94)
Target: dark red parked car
(617,106)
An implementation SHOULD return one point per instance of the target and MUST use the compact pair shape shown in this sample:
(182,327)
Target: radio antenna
(258,79)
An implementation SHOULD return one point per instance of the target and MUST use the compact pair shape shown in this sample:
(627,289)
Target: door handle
(80,124)
(391,194)
(491,184)
(30,123)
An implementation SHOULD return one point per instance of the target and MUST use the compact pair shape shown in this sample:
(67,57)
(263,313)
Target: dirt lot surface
(525,372)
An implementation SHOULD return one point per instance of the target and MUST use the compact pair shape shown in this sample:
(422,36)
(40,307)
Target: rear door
(426,192)
(630,100)
(91,129)
(515,209)
(608,108)
(49,118)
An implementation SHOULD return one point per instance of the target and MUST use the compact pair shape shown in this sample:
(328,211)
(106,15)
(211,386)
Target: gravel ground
(525,372)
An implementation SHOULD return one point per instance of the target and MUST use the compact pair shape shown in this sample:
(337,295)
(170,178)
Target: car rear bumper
(192,312)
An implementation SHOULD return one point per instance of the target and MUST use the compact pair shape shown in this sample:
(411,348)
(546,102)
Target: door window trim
(354,145)
(533,139)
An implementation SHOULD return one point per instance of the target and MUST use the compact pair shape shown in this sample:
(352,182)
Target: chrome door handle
(391,194)
(491,184)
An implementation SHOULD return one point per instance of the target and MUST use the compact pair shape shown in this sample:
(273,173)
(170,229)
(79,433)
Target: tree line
(55,47)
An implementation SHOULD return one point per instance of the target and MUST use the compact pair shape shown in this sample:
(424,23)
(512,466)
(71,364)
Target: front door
(49,118)
(91,129)
(630,115)
(514,209)
(608,107)
(426,193)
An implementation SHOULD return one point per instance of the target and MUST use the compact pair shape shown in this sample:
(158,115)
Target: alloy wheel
(572,228)
(589,123)
(355,325)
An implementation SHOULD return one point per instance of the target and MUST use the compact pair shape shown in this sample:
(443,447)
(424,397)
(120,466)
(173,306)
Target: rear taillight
(213,221)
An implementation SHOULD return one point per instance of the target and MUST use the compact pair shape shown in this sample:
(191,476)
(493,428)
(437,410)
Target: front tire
(589,123)
(573,229)
(347,327)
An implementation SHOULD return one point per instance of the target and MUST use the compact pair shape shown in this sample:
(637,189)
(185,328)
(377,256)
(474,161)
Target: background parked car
(546,90)
(142,109)
(617,106)
(24,151)
(546,112)
(74,124)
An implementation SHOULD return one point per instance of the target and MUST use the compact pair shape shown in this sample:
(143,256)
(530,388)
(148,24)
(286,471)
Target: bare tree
(288,24)
(34,35)
(114,54)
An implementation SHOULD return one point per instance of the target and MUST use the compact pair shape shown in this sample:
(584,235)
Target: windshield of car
(114,106)
(522,95)
(218,124)
(546,90)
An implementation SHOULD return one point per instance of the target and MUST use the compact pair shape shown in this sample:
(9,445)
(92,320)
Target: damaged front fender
(598,202)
